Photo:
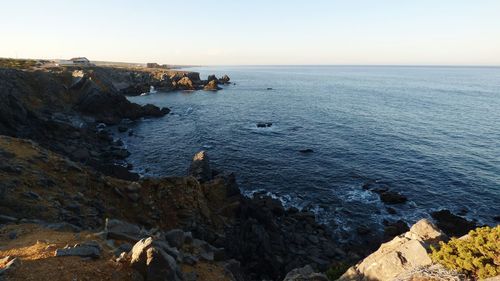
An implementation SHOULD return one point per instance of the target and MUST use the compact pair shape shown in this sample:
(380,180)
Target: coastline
(60,122)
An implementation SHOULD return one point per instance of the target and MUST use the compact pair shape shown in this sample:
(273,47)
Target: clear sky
(211,32)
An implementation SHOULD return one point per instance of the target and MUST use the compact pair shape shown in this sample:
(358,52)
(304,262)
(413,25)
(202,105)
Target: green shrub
(336,270)
(477,255)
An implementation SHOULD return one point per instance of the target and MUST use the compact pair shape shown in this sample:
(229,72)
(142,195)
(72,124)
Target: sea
(430,133)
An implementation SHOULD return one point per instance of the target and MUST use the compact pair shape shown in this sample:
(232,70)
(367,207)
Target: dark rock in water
(307,150)
(154,111)
(211,78)
(87,249)
(452,225)
(122,129)
(200,167)
(496,218)
(264,124)
(224,79)
(391,211)
(269,89)
(393,229)
(363,230)
(392,197)
(130,132)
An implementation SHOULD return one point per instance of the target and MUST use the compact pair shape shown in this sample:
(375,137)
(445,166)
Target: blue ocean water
(430,133)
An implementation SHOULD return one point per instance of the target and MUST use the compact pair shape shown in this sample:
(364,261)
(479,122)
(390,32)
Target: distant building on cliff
(79,61)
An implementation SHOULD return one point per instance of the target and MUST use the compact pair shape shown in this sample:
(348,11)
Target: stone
(120,230)
(452,225)
(10,263)
(87,249)
(393,229)
(175,237)
(153,263)
(391,197)
(402,254)
(200,167)
(212,86)
(307,150)
(264,124)
(211,78)
(225,79)
(185,84)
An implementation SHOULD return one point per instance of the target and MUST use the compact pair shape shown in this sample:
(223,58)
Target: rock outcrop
(398,256)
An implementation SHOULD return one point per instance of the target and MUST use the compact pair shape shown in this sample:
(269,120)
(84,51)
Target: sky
(293,32)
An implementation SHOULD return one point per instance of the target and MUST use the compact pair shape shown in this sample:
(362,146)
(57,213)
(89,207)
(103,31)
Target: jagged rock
(305,273)
(117,229)
(452,225)
(225,79)
(10,264)
(87,249)
(200,167)
(185,84)
(211,78)
(153,263)
(212,86)
(403,253)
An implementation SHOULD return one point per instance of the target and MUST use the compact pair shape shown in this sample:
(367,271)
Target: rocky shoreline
(63,171)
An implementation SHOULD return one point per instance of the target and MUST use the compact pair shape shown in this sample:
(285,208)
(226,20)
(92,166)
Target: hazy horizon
(364,33)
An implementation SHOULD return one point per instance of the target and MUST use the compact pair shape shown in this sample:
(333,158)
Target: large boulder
(402,254)
(200,167)
(117,229)
(212,86)
(185,83)
(153,263)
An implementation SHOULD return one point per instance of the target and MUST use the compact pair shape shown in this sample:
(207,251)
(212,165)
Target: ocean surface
(429,133)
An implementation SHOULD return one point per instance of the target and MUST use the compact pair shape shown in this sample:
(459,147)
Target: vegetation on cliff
(477,254)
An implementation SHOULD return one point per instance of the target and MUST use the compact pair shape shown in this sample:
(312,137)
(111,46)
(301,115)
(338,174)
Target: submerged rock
(307,150)
(392,197)
(264,124)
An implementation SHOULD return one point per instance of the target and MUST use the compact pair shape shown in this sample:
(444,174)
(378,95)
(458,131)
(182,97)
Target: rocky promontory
(70,209)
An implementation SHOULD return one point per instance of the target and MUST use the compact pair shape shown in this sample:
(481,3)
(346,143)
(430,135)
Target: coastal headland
(71,209)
